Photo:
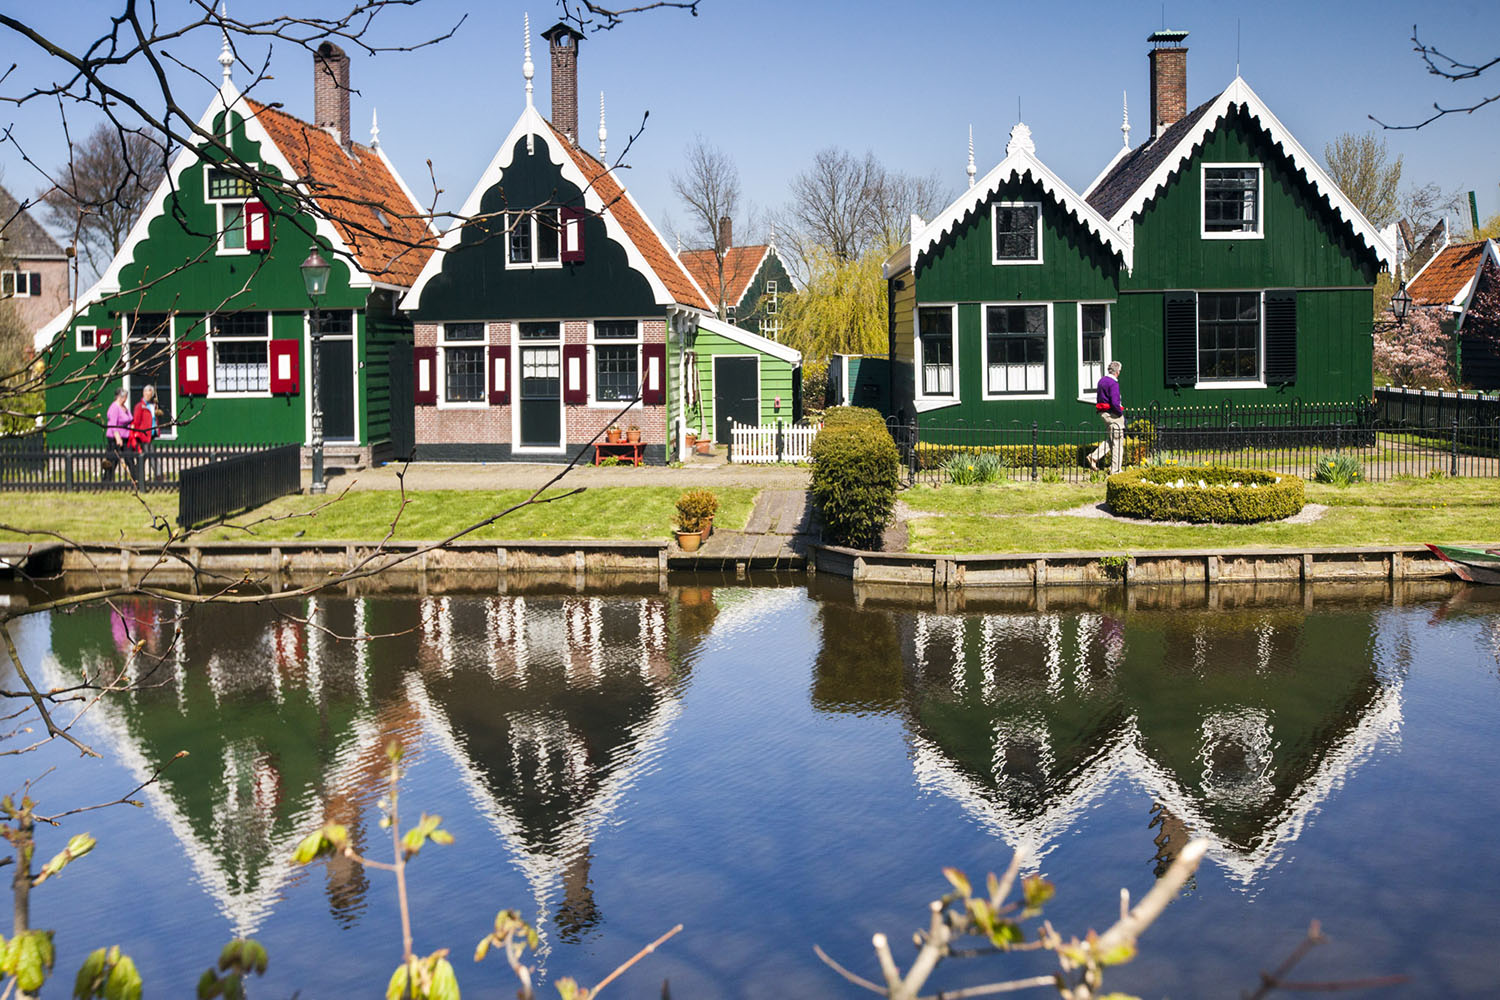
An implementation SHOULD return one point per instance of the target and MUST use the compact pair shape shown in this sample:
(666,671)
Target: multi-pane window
(1228,336)
(241,351)
(1016,349)
(1017,233)
(1093,329)
(1231,199)
(228,192)
(463,362)
(539,331)
(148,361)
(223,185)
(617,360)
(532,237)
(935,328)
(20,284)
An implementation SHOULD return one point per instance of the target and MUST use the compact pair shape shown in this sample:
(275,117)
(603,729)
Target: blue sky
(771,82)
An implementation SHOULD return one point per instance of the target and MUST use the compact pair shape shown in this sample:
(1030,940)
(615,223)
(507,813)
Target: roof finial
(679,244)
(1020,139)
(970,168)
(1125,117)
(772,244)
(374,129)
(226,54)
(528,70)
(603,132)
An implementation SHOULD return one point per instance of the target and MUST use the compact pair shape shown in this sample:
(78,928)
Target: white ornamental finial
(1125,118)
(970,168)
(603,132)
(374,129)
(226,54)
(772,244)
(528,70)
(1020,139)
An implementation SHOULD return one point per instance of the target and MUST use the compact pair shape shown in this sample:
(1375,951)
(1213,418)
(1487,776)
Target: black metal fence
(1461,439)
(217,489)
(28,464)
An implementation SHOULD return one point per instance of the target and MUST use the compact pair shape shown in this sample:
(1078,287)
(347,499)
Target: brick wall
(1168,87)
(331,90)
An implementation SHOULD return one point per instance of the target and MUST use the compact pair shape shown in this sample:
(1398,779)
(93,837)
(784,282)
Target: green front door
(541,397)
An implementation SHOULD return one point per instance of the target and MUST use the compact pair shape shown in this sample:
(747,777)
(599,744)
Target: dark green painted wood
(751,310)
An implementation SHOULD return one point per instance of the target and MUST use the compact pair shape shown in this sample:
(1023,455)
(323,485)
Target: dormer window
(231,195)
(1017,229)
(532,238)
(1231,201)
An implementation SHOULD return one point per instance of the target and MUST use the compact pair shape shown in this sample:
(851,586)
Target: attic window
(532,238)
(1017,233)
(1231,201)
(223,185)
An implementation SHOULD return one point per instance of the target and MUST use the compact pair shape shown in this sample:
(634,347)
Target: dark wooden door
(541,397)
(403,403)
(736,394)
(336,373)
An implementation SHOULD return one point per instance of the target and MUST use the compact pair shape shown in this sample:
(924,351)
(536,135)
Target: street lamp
(315,276)
(1400,303)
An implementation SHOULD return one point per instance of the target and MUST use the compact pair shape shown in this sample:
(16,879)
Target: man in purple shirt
(1112,410)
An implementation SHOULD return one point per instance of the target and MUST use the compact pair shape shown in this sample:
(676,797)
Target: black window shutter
(1180,333)
(36,282)
(1281,337)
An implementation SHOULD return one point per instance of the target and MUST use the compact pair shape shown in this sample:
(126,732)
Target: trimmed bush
(931,455)
(1210,493)
(855,472)
(852,416)
(695,509)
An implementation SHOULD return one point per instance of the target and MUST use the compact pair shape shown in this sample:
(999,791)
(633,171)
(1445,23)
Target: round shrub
(1201,494)
(855,472)
(852,416)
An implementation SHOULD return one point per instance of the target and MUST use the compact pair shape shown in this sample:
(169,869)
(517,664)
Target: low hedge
(931,455)
(1209,493)
(855,472)
(852,416)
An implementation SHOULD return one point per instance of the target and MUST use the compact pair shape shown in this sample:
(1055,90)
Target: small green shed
(733,374)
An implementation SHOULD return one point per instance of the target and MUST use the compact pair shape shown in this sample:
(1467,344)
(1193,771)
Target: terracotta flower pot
(692,439)
(634,437)
(705,447)
(708,528)
(612,435)
(689,541)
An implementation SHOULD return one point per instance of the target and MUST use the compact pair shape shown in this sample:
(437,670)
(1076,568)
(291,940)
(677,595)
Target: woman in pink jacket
(116,435)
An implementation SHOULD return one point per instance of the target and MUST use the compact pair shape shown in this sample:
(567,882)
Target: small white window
(241,344)
(1093,346)
(227,191)
(20,284)
(615,370)
(463,364)
(1232,201)
(532,239)
(88,338)
(937,373)
(1017,231)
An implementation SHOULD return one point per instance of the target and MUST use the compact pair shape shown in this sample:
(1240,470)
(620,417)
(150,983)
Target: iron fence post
(1453,466)
(1033,449)
(68,471)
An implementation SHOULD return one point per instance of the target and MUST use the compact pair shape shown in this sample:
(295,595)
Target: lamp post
(315,277)
(1400,303)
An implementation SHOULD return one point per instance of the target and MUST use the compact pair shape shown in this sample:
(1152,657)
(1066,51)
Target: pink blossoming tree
(1416,353)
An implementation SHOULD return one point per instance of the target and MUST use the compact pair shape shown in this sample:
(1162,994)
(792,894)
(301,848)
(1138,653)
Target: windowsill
(444,404)
(230,394)
(935,403)
(1005,263)
(538,449)
(1002,397)
(538,266)
(230,252)
(1232,236)
(613,404)
(1232,384)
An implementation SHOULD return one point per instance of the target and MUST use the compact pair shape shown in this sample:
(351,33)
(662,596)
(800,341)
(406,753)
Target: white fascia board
(1018,165)
(1238,93)
(897,263)
(754,341)
(1463,298)
(1120,154)
(765,254)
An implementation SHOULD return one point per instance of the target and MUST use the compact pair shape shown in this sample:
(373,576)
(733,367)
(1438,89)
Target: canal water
(778,767)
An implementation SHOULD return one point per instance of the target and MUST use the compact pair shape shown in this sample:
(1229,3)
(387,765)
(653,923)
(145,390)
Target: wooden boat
(1473,565)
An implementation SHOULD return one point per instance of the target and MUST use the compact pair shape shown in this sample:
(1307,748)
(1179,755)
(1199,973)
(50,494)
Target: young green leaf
(33,959)
(959,880)
(396,988)
(444,984)
(124,981)
(1007,933)
(1036,891)
(1118,955)
(567,987)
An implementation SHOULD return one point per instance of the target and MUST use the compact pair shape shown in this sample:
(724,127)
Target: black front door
(336,375)
(736,394)
(541,397)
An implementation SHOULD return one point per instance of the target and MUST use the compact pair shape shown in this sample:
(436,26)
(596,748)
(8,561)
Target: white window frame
(1259,382)
(517,369)
(529,218)
(995,257)
(1260,202)
(638,343)
(220,204)
(483,343)
(15,284)
(1086,392)
(92,345)
(984,355)
(357,317)
(922,395)
(171,420)
(214,340)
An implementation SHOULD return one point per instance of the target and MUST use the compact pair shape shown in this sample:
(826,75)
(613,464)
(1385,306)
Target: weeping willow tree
(841,310)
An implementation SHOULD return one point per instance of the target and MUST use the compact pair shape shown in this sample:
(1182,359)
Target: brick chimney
(726,233)
(331,91)
(1168,79)
(564,78)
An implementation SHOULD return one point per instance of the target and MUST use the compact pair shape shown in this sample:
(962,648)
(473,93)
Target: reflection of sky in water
(772,769)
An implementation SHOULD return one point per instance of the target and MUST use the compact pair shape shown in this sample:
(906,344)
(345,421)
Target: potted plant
(633,434)
(612,434)
(691,438)
(695,513)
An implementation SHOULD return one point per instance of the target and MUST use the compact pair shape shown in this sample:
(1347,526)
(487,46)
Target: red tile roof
(385,232)
(1447,274)
(660,259)
(740,266)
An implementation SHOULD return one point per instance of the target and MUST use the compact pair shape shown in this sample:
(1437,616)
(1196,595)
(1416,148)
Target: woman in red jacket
(142,433)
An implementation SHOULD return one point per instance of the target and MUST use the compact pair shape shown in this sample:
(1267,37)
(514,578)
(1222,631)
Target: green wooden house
(1216,261)
(731,375)
(206,300)
(748,293)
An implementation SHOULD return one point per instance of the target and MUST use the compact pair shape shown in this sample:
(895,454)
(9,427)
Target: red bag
(1101,407)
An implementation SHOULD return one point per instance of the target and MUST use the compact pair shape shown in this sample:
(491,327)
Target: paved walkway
(780,528)
(707,472)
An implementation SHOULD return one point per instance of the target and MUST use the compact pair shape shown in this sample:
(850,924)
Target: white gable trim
(1016,166)
(430,223)
(1239,93)
(754,341)
(1467,294)
(531,123)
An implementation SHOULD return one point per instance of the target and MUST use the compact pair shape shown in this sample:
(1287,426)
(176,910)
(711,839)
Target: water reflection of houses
(1238,722)
(549,708)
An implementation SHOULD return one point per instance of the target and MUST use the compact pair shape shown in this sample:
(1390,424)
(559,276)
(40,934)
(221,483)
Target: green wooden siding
(750,311)
(775,381)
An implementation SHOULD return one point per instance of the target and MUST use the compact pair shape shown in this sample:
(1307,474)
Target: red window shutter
(575,374)
(424,378)
(103,337)
(257,226)
(286,368)
(570,240)
(192,368)
(499,374)
(654,375)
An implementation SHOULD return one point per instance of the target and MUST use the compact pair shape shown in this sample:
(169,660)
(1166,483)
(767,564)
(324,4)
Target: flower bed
(1209,493)
(934,455)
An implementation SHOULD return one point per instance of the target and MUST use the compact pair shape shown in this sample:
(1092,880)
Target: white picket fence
(766,444)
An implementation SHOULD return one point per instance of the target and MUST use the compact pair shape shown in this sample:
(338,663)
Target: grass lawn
(625,512)
(1012,517)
